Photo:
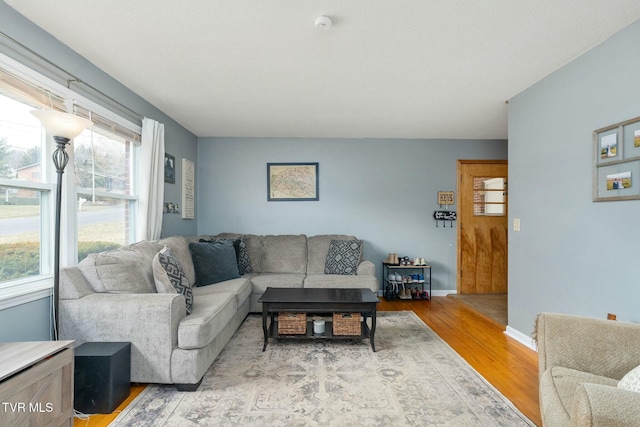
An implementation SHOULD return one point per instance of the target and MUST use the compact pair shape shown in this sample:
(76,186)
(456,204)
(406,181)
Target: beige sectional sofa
(296,261)
(589,371)
(112,296)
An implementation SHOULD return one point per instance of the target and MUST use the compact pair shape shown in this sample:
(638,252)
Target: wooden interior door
(482,226)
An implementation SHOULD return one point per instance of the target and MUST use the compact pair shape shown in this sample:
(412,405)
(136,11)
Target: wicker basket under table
(347,324)
(292,323)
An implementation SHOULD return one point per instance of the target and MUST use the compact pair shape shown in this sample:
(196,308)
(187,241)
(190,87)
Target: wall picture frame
(293,182)
(616,164)
(188,189)
(169,169)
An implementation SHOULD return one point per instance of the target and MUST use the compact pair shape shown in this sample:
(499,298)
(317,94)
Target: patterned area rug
(414,379)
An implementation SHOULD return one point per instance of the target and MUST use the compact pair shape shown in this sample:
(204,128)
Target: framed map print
(292,182)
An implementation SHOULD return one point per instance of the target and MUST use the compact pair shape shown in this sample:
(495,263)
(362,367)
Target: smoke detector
(323,22)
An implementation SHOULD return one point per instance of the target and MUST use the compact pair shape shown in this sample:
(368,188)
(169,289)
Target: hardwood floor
(103,420)
(511,367)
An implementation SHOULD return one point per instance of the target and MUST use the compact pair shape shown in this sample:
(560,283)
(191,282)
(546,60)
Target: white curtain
(151,196)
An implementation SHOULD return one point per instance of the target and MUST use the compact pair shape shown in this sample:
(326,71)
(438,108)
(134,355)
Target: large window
(104,175)
(101,203)
(24,193)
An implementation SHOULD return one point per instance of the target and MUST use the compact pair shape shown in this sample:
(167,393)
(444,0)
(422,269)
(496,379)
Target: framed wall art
(292,182)
(169,168)
(616,171)
(188,189)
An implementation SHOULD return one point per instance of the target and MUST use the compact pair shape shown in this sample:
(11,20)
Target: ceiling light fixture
(323,22)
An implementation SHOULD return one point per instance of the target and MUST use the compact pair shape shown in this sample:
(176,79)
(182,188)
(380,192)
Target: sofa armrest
(366,268)
(148,321)
(598,346)
(600,405)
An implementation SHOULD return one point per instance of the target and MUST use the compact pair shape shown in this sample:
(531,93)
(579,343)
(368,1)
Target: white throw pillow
(631,381)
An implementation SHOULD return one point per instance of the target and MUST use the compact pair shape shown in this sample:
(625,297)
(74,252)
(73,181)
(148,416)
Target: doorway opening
(482,236)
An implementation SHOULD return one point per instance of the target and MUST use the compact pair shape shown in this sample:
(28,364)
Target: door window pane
(489,196)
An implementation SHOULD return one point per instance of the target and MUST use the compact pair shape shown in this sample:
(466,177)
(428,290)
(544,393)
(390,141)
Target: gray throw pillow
(214,262)
(170,278)
(343,257)
(242,254)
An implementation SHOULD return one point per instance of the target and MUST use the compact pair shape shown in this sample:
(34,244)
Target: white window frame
(132,198)
(20,291)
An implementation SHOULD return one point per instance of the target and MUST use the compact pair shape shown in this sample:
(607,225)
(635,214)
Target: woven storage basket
(292,323)
(347,324)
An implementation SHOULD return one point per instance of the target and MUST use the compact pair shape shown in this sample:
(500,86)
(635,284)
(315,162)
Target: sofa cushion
(284,254)
(73,284)
(169,277)
(214,262)
(145,248)
(631,381)
(343,257)
(180,249)
(340,281)
(240,287)
(125,270)
(559,384)
(318,248)
(276,280)
(211,313)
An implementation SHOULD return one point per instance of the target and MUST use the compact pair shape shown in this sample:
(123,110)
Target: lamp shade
(61,124)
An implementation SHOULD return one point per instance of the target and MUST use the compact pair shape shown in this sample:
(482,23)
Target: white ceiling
(387,69)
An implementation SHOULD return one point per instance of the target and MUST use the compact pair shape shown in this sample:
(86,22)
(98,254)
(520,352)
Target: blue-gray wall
(178,142)
(26,322)
(380,190)
(572,255)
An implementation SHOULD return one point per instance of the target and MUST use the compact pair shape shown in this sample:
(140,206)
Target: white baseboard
(521,338)
(443,292)
(435,293)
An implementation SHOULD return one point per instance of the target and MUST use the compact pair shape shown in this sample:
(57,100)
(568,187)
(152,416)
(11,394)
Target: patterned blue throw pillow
(343,257)
(169,276)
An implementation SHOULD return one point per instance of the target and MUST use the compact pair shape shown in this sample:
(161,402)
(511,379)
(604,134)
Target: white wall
(380,190)
(572,255)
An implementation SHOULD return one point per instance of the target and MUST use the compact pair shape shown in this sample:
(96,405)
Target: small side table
(36,385)
(102,376)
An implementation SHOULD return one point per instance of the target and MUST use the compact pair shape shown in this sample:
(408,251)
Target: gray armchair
(581,360)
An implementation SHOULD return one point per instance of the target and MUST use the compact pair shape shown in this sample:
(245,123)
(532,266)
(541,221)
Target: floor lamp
(62,127)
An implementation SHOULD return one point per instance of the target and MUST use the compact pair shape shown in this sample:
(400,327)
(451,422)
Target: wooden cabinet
(36,383)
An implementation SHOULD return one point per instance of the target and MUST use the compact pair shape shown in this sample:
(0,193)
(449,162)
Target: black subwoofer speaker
(102,377)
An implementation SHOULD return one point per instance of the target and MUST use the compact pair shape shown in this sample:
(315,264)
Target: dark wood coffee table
(318,301)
